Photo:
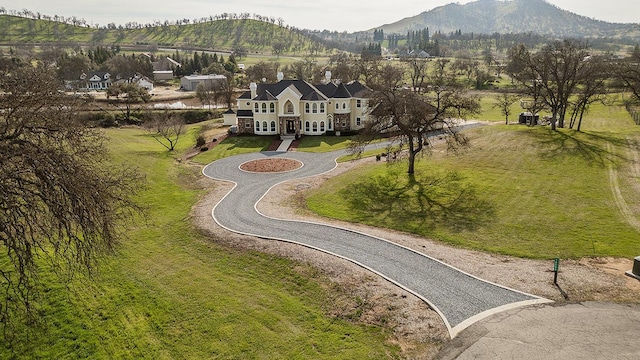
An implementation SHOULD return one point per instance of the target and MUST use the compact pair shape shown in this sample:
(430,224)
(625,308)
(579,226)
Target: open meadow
(172,292)
(517,190)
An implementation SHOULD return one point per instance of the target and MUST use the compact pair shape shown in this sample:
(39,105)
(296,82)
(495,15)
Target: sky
(333,15)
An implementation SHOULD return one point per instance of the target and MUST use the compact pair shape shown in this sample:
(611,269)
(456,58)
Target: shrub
(196,116)
(200,141)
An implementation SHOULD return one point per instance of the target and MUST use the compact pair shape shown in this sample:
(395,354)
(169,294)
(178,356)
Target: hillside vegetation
(225,35)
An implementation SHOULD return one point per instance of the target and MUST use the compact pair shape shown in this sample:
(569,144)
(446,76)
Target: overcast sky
(339,15)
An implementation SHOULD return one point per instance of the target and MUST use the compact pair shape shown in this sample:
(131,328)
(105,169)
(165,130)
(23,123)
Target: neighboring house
(96,80)
(419,54)
(142,81)
(163,68)
(295,107)
(162,75)
(191,82)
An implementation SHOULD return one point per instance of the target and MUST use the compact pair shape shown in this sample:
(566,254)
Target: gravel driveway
(458,297)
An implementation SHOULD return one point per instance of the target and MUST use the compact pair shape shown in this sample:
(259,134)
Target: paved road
(589,330)
(459,298)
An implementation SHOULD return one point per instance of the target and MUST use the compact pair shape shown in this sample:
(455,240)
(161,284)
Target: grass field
(528,192)
(171,292)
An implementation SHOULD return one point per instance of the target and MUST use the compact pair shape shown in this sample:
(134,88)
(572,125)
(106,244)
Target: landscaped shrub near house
(200,141)
(108,120)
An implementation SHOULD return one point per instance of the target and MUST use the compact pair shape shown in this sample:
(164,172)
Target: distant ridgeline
(473,26)
(226,32)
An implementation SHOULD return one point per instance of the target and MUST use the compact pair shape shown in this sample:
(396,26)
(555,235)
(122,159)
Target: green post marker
(556,267)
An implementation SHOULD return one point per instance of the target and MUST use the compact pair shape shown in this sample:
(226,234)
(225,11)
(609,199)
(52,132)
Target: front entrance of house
(291,126)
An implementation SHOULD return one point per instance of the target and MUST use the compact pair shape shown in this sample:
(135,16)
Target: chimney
(327,76)
(254,89)
(280,76)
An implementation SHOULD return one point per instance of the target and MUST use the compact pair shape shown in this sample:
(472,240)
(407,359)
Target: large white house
(295,107)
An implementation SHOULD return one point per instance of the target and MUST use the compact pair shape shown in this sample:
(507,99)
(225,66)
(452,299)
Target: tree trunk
(412,162)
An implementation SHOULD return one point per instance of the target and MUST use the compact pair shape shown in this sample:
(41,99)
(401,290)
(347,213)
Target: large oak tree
(414,113)
(63,204)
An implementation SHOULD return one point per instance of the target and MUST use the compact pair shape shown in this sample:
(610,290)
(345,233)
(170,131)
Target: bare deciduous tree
(63,204)
(555,71)
(413,115)
(166,128)
(503,103)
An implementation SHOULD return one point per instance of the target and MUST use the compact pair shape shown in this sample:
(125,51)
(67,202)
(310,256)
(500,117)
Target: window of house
(306,126)
(273,126)
(344,105)
(315,108)
(321,108)
(257,126)
(264,126)
(264,108)
(247,125)
(306,108)
(272,108)
(288,107)
(358,103)
(315,126)
(358,121)
(321,126)
(330,124)
(256,108)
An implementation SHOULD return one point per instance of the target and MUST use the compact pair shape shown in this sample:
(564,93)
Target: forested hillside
(515,16)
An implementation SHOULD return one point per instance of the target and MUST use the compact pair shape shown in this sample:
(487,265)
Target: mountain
(515,16)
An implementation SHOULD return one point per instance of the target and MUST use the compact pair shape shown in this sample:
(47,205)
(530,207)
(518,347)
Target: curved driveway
(458,297)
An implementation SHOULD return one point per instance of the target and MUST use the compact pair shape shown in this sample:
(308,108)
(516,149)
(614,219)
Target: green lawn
(521,191)
(234,145)
(171,292)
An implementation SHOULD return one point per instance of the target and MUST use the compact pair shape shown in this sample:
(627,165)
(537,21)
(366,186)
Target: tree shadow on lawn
(404,202)
(589,146)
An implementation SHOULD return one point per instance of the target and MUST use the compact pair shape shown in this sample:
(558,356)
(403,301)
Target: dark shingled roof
(245,114)
(357,89)
(268,92)
(265,96)
(341,92)
(314,96)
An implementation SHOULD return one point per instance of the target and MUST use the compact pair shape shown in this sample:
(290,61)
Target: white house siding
(255,107)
